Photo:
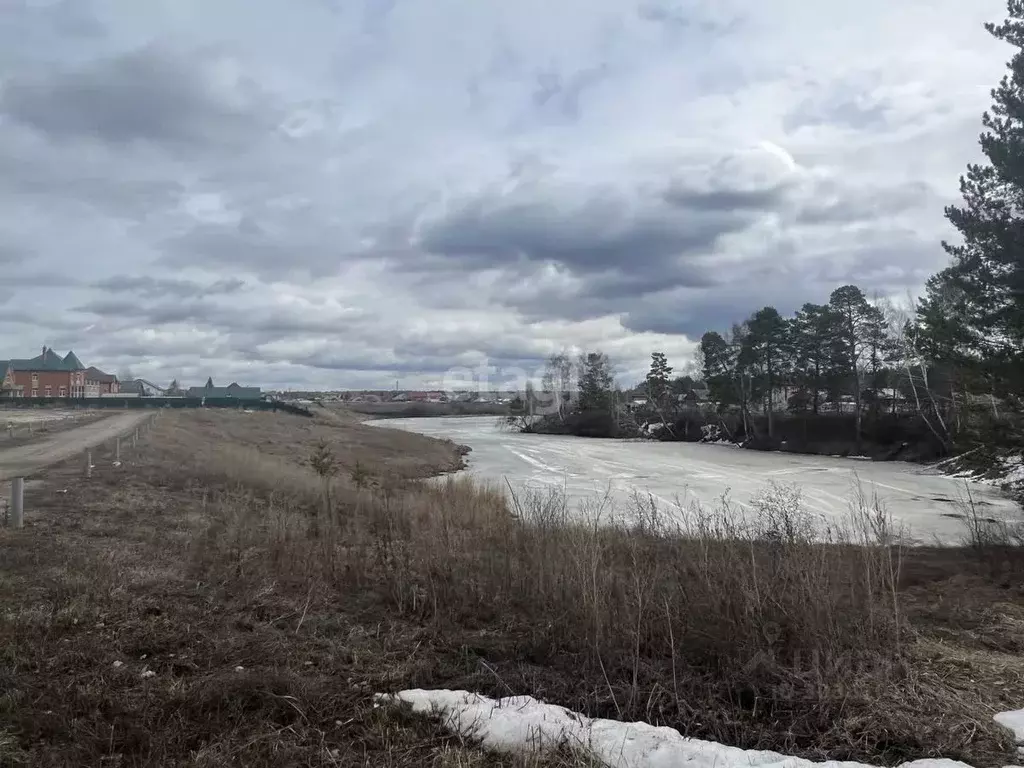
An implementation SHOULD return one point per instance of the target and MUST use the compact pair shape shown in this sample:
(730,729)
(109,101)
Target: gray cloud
(38,280)
(596,231)
(157,287)
(341,193)
(12,255)
(151,94)
(249,245)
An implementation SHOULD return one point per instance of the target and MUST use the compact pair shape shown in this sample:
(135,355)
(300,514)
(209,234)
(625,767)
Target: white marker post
(18,502)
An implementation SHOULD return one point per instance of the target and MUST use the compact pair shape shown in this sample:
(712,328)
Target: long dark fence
(154,402)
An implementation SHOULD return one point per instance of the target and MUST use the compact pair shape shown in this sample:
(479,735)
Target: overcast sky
(346,193)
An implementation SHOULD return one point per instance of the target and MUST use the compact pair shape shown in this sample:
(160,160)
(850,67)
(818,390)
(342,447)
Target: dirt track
(28,459)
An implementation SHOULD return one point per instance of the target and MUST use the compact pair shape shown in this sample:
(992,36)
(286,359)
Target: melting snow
(522,723)
(1014,720)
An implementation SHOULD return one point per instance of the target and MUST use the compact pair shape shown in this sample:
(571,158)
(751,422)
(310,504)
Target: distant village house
(50,375)
(232,390)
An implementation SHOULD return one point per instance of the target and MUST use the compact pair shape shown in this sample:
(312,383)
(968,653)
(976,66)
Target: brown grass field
(217,600)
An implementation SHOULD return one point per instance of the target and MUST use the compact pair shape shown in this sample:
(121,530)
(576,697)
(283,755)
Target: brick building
(102,383)
(50,375)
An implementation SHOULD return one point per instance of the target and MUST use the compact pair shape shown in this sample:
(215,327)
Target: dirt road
(27,459)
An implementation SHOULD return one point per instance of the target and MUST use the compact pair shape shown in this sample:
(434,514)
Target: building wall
(44,383)
(53,383)
(94,388)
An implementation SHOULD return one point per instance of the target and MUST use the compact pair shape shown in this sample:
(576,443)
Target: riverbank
(882,437)
(215,601)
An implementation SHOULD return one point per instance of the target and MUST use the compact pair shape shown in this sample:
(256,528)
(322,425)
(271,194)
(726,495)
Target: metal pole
(17,502)
(88,463)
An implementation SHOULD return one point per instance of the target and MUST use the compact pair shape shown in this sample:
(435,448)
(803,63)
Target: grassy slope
(269,620)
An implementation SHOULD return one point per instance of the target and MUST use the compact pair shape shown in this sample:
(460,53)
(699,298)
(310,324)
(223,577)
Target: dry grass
(221,547)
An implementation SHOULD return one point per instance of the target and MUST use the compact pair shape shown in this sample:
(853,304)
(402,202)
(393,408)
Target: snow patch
(1014,720)
(522,723)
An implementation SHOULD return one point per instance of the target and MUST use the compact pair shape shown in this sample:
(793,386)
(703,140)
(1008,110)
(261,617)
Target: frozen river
(587,469)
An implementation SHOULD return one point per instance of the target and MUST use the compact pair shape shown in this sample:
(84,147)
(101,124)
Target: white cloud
(409,186)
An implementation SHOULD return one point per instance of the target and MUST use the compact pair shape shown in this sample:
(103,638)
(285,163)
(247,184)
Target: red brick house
(50,375)
(102,383)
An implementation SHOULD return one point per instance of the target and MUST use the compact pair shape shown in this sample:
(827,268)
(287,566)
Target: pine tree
(767,341)
(987,273)
(719,368)
(596,383)
(856,325)
(658,379)
(812,350)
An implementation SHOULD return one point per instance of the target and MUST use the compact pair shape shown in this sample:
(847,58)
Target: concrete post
(88,463)
(135,439)
(117,449)
(18,502)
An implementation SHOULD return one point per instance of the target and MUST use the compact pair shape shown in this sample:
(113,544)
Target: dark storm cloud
(694,313)
(157,287)
(150,94)
(873,265)
(601,232)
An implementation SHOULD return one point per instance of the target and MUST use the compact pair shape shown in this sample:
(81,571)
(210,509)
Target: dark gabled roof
(72,363)
(48,361)
(95,374)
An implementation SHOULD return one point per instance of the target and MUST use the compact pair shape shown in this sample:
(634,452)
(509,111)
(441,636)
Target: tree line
(954,354)
(963,342)
(848,347)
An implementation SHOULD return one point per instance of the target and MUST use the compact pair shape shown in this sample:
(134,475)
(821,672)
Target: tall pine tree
(987,274)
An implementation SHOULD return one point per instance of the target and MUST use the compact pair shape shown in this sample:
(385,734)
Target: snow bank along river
(921,499)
